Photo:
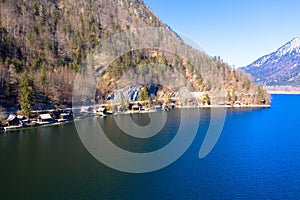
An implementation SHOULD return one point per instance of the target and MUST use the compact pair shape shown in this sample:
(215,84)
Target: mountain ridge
(279,68)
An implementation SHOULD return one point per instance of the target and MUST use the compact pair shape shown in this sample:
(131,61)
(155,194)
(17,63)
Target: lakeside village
(144,104)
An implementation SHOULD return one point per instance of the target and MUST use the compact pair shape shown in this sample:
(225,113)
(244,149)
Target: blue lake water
(256,157)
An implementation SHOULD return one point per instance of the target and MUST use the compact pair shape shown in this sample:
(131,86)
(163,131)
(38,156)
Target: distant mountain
(280,68)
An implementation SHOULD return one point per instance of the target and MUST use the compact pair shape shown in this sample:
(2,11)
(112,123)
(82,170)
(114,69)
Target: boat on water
(33,125)
(12,128)
(101,111)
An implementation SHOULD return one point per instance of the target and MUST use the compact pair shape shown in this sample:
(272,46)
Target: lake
(256,157)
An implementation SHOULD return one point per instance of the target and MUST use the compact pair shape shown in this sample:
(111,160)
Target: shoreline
(228,106)
(7,129)
(283,92)
(254,106)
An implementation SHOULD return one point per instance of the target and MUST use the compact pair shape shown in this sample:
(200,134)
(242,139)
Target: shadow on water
(256,157)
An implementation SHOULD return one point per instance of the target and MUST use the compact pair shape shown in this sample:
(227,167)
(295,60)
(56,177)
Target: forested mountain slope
(48,41)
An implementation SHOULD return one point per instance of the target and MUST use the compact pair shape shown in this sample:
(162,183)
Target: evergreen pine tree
(122,102)
(43,76)
(143,94)
(25,94)
(7,88)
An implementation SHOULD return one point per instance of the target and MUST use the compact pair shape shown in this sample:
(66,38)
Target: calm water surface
(256,157)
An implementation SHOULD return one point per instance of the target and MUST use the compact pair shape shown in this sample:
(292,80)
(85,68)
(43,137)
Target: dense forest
(44,43)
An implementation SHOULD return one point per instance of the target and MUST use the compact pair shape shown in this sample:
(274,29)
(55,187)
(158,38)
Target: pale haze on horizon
(238,31)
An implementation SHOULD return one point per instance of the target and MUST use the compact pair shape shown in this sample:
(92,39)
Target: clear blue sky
(239,31)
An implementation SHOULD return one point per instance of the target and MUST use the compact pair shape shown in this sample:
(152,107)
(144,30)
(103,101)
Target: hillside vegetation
(49,40)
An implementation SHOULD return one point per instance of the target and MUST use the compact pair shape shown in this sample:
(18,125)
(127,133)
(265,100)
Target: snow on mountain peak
(278,68)
(291,46)
(295,43)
